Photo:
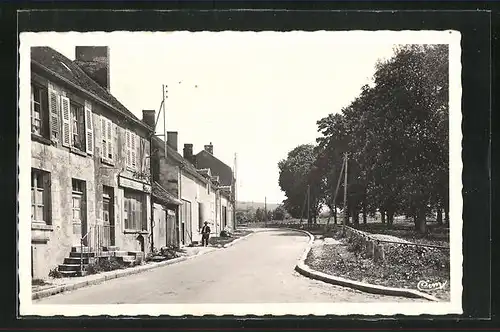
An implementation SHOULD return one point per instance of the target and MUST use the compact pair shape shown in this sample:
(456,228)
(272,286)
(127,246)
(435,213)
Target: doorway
(108,215)
(79,211)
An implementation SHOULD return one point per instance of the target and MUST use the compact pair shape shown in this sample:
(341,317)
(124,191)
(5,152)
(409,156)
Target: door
(108,217)
(79,214)
(224,217)
(77,202)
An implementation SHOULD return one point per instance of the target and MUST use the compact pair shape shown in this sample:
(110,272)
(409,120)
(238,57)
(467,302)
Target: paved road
(257,269)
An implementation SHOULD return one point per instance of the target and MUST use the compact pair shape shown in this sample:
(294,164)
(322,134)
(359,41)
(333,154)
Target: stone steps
(71,266)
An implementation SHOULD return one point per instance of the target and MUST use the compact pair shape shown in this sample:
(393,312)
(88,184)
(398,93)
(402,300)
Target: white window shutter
(89,128)
(146,163)
(127,147)
(109,139)
(139,153)
(54,113)
(66,125)
(104,147)
(133,154)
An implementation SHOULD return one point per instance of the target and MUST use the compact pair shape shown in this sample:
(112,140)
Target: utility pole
(308,205)
(235,179)
(337,190)
(265,210)
(344,221)
(165,91)
(151,152)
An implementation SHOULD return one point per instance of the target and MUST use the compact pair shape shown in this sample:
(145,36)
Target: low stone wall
(372,248)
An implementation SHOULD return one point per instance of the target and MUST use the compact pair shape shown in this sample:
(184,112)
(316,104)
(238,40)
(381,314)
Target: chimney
(94,61)
(172,140)
(148,117)
(209,148)
(188,152)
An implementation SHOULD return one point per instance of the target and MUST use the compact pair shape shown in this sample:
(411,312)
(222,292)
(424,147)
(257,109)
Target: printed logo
(424,285)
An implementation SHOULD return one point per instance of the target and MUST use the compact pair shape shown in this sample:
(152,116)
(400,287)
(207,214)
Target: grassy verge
(404,266)
(221,241)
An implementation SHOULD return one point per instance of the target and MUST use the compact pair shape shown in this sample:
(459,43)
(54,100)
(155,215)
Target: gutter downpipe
(151,180)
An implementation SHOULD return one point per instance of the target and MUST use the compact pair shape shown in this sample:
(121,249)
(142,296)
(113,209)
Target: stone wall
(372,248)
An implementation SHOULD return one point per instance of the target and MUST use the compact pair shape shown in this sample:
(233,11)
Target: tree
(396,135)
(279,213)
(259,215)
(296,174)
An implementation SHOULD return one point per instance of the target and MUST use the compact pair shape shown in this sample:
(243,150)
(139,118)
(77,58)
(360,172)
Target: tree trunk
(364,212)
(355,217)
(382,215)
(446,215)
(439,217)
(335,214)
(421,222)
(390,217)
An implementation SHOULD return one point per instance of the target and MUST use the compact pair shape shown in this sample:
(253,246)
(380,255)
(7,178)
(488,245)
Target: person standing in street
(205,234)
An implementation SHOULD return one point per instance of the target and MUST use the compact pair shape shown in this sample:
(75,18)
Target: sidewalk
(59,285)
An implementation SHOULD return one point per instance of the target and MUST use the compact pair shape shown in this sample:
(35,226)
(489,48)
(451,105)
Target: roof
(64,69)
(164,196)
(205,159)
(186,165)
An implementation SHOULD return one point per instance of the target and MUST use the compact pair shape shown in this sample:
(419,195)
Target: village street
(258,269)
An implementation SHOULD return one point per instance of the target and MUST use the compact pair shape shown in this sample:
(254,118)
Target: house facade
(89,161)
(195,193)
(206,159)
(101,182)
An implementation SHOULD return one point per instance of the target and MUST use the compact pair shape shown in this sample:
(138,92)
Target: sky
(256,95)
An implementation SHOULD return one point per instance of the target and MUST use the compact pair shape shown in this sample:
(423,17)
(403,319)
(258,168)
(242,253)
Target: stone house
(89,164)
(193,195)
(205,159)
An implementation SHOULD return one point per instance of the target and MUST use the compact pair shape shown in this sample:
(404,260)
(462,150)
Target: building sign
(134,184)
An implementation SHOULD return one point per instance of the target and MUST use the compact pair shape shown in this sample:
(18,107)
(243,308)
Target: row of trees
(395,134)
(259,215)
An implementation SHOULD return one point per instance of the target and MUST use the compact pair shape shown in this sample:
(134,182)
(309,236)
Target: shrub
(105,265)
(225,233)
(55,273)
(38,282)
(169,252)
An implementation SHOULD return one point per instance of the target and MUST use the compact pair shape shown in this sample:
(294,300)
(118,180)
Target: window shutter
(146,163)
(66,127)
(133,154)
(127,147)
(109,139)
(89,128)
(47,198)
(104,148)
(54,113)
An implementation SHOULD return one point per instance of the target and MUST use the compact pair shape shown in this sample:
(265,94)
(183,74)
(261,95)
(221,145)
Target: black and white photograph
(240,173)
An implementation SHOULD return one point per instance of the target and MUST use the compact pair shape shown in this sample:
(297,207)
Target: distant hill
(241,206)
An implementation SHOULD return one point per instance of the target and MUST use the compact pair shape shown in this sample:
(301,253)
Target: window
(107,147)
(39,108)
(132,146)
(40,196)
(134,212)
(77,126)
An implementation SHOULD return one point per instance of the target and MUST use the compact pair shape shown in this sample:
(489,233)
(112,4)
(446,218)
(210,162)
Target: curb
(305,270)
(227,245)
(112,275)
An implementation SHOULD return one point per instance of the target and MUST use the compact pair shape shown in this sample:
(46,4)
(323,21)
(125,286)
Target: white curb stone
(305,270)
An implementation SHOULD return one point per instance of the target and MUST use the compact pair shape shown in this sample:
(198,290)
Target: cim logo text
(427,285)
